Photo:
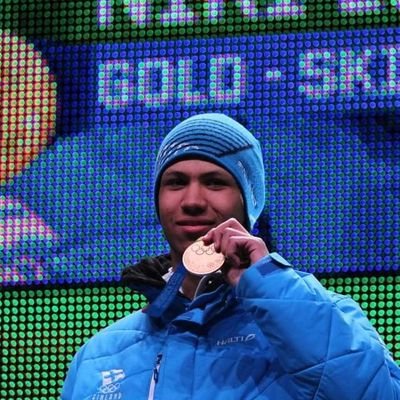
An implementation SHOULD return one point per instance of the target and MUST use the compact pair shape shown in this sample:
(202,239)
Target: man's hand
(239,247)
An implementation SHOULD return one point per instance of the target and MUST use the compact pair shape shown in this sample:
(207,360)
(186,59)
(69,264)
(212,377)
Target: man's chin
(183,245)
(182,242)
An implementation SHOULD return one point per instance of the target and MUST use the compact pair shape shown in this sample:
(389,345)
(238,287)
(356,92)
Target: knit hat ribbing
(219,139)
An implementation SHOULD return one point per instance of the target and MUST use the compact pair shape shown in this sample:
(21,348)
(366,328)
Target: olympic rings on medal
(199,249)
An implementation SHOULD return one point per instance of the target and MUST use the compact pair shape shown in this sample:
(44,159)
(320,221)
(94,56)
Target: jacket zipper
(154,378)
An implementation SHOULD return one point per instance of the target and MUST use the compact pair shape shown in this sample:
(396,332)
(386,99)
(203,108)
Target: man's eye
(216,182)
(174,182)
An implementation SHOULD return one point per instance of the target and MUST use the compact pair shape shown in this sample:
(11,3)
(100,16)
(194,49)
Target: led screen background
(89,89)
(83,117)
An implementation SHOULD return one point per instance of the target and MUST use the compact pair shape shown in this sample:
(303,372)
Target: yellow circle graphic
(28,100)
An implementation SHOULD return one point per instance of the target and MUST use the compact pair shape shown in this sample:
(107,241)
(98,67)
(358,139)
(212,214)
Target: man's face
(194,197)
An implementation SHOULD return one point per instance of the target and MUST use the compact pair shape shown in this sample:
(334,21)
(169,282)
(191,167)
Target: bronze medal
(200,259)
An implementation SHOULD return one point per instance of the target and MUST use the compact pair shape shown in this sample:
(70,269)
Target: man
(256,329)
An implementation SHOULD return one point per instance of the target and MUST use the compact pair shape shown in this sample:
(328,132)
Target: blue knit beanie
(221,140)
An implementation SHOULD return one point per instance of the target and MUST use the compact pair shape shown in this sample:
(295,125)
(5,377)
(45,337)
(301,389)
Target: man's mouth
(195,227)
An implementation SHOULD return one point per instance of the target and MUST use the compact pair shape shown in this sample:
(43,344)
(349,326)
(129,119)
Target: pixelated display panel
(43,328)
(79,206)
(116,20)
(89,88)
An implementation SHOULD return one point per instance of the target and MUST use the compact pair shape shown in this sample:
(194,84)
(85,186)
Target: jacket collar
(148,271)
(146,277)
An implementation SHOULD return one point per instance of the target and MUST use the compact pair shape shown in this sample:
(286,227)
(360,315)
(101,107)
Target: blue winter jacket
(278,335)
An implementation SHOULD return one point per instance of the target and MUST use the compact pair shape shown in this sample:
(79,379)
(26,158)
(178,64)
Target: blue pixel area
(324,106)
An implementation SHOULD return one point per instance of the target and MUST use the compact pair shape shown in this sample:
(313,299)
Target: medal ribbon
(167,295)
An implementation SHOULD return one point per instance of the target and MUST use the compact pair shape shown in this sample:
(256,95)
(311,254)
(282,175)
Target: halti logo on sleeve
(236,339)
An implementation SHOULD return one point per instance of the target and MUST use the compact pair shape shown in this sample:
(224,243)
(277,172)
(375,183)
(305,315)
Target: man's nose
(194,197)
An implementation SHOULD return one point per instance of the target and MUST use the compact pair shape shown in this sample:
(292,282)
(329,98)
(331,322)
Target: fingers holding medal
(229,247)
(239,247)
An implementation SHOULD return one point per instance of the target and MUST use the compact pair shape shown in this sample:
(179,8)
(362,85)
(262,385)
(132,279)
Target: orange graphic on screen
(28,94)
(28,105)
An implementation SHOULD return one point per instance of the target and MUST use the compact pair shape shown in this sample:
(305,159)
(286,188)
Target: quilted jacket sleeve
(68,388)
(324,340)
